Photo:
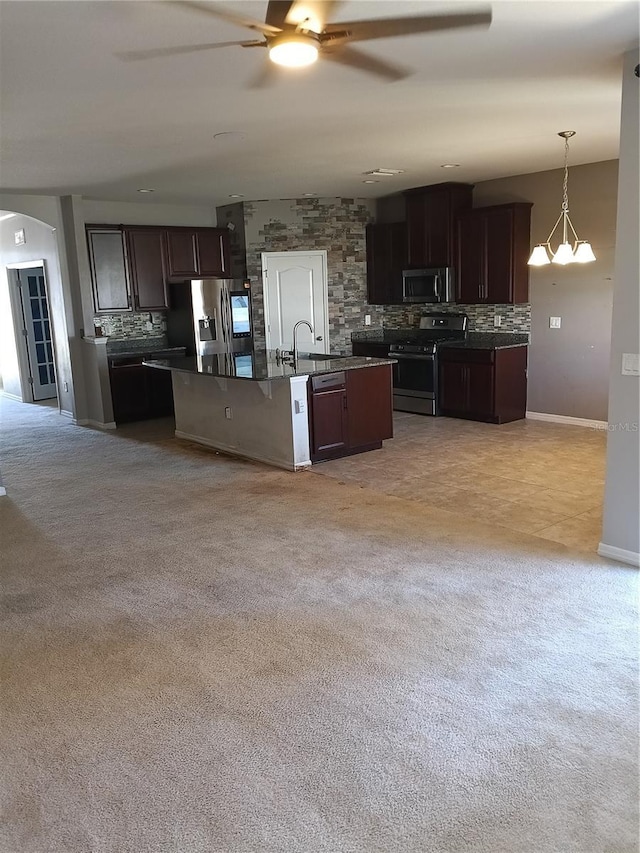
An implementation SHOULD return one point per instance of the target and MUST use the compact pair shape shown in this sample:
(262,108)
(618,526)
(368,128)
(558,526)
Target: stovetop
(424,341)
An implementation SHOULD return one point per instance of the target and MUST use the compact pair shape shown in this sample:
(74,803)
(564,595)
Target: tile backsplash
(132,324)
(515,318)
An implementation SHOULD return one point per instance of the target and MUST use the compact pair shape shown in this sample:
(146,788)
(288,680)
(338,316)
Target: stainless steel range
(415,376)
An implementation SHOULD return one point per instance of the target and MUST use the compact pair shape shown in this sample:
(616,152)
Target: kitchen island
(279,412)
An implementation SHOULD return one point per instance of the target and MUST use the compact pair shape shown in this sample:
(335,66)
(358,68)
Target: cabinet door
(480,385)
(369,406)
(213,252)
(498,250)
(182,253)
(453,391)
(386,259)
(160,392)
(431,223)
(146,259)
(130,392)
(329,410)
(108,264)
(471,259)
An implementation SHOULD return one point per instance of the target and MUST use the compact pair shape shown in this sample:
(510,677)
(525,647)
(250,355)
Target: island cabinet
(493,250)
(350,411)
(386,259)
(483,384)
(198,253)
(432,213)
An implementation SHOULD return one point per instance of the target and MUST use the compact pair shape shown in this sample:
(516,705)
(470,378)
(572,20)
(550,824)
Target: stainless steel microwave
(428,285)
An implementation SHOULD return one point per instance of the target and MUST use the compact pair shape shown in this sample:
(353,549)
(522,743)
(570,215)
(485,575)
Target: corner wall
(620,532)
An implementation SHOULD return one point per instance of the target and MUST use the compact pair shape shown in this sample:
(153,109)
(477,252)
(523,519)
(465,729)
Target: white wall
(41,244)
(620,534)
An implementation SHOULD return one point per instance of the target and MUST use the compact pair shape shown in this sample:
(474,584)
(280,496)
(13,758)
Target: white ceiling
(76,119)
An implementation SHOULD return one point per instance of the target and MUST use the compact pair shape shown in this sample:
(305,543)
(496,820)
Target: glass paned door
(35,310)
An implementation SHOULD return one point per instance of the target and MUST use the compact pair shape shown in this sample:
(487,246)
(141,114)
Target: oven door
(414,375)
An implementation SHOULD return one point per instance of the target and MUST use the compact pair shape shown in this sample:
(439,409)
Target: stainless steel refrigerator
(211,316)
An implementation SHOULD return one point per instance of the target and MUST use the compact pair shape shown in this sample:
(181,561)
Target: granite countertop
(259,367)
(489,340)
(141,347)
(474,340)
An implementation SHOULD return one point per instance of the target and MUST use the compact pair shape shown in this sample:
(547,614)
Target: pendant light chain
(565,190)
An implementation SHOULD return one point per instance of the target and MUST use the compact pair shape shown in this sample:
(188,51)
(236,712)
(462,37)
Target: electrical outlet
(65,385)
(149,326)
(555,322)
(300,407)
(227,413)
(497,320)
(367,319)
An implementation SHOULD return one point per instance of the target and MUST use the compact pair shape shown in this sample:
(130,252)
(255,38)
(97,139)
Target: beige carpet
(206,655)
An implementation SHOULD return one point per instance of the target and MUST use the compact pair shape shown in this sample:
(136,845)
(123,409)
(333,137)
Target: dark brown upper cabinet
(386,258)
(493,249)
(131,265)
(146,248)
(197,253)
(432,213)
(109,268)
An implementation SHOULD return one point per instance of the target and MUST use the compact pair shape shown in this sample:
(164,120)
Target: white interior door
(37,332)
(296,288)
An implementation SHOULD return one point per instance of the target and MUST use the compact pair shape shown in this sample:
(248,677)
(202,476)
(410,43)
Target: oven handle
(401,357)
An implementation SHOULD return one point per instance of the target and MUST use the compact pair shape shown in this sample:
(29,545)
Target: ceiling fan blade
(225,14)
(355,58)
(152,53)
(277,12)
(389,27)
(313,13)
(266,76)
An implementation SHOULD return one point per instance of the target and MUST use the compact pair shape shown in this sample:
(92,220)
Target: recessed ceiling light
(236,195)
(384,173)
(450,166)
(146,191)
(309,195)
(371,182)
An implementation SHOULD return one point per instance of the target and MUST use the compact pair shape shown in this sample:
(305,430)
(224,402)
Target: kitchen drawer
(468,356)
(327,382)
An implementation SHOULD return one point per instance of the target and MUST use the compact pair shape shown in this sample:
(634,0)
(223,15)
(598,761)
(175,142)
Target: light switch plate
(555,322)
(630,364)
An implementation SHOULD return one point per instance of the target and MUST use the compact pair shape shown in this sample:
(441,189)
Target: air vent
(384,173)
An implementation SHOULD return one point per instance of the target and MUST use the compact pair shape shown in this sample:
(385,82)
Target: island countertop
(259,367)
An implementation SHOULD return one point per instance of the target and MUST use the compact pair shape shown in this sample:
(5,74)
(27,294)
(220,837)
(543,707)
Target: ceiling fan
(296,32)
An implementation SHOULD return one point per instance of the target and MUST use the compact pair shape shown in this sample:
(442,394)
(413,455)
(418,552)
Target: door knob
(319,338)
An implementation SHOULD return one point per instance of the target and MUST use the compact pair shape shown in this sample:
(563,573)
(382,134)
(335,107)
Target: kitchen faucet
(295,332)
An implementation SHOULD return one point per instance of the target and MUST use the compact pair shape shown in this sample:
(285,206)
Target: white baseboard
(92,423)
(565,419)
(12,396)
(66,414)
(619,554)
(232,451)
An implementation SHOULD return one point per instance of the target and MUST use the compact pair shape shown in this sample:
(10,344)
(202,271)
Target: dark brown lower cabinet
(138,392)
(483,384)
(350,411)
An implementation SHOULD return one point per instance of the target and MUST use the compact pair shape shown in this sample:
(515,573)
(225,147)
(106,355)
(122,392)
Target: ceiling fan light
(584,252)
(564,254)
(539,256)
(293,51)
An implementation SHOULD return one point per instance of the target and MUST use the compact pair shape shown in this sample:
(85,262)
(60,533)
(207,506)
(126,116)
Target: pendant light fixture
(580,252)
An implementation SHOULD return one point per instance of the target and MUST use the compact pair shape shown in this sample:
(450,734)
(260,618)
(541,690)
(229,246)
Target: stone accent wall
(231,216)
(336,225)
(515,318)
(132,324)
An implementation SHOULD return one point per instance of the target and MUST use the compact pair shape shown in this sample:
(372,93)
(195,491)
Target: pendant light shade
(539,256)
(581,251)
